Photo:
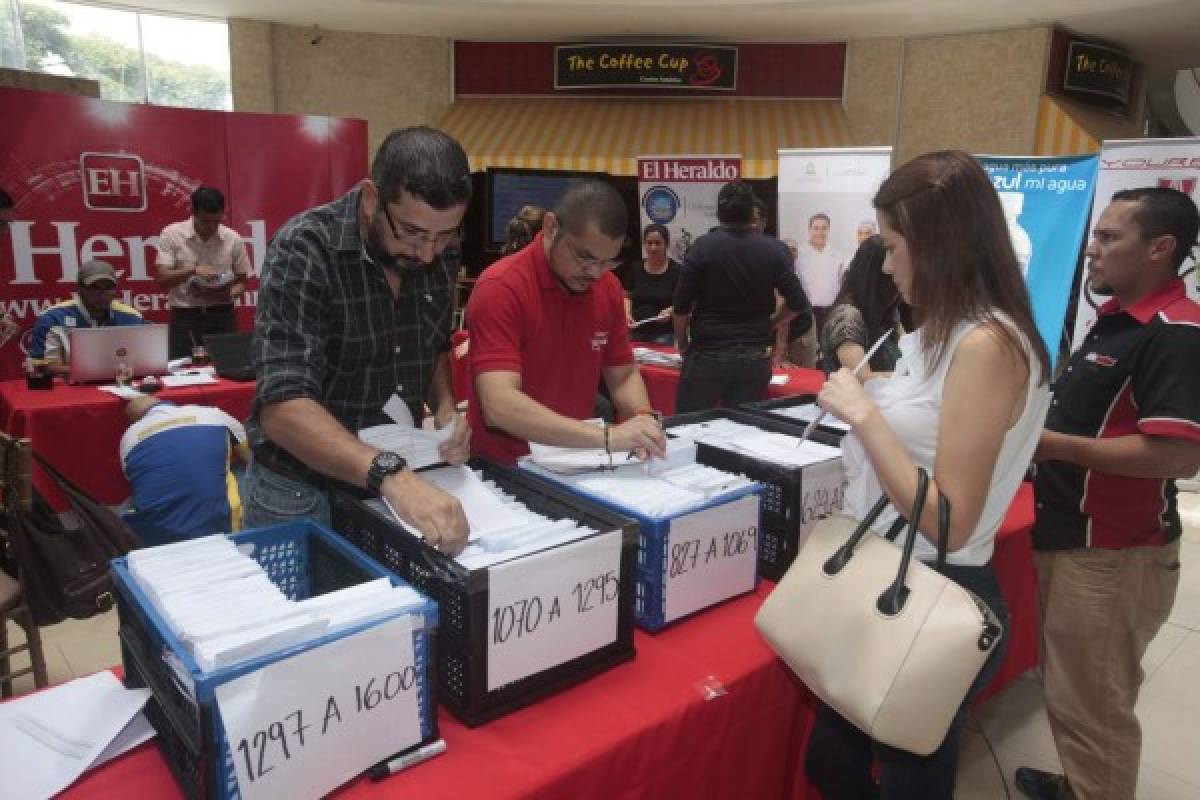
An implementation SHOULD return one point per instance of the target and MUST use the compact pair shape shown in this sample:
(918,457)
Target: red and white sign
(1135,164)
(92,179)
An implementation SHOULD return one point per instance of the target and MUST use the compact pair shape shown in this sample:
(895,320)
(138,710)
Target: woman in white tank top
(967,402)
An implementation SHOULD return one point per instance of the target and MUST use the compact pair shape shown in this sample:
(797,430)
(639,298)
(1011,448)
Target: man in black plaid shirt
(354,307)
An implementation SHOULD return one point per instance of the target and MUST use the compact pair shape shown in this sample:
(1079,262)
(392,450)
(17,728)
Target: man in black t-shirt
(724,308)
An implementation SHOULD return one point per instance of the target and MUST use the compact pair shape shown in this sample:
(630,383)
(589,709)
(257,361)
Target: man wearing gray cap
(92,306)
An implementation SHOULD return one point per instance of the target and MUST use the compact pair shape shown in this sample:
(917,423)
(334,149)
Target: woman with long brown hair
(966,402)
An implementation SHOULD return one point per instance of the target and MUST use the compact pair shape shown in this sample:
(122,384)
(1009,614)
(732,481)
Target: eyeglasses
(417,237)
(590,262)
(99,287)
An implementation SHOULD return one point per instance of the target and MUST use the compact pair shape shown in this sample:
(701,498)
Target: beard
(378,254)
(1099,288)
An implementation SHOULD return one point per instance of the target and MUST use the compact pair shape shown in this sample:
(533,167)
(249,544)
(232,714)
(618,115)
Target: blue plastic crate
(303,559)
(652,558)
(784,518)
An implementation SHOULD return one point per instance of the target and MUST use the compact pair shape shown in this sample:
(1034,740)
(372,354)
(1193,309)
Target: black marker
(386,769)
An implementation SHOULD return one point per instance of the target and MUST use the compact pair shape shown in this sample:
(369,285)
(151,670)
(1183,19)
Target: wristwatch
(385,463)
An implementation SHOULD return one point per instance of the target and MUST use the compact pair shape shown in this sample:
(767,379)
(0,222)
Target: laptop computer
(95,352)
(231,354)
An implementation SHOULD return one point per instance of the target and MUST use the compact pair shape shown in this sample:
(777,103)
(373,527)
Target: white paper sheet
(188,379)
(349,693)
(807,413)
(123,392)
(418,446)
(484,509)
(48,739)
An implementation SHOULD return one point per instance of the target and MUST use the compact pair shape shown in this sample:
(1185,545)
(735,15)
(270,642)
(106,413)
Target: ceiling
(1163,33)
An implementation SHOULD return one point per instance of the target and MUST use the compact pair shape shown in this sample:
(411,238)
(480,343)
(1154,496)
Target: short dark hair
(207,200)
(592,202)
(735,203)
(426,163)
(868,289)
(6,201)
(817,216)
(661,230)
(1164,212)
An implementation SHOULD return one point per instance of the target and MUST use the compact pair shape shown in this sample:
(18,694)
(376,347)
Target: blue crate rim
(427,610)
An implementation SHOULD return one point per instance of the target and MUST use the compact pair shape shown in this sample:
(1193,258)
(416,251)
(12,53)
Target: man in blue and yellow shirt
(177,460)
(92,306)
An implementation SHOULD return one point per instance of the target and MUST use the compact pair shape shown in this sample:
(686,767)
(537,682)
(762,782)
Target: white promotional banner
(1133,164)
(825,211)
(680,192)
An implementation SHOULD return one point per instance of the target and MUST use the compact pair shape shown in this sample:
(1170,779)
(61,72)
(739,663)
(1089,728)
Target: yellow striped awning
(1058,134)
(600,134)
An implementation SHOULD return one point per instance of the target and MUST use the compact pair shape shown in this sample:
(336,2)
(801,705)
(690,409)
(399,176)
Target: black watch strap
(385,463)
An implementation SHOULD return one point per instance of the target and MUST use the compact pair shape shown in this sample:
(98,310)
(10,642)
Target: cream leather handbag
(889,643)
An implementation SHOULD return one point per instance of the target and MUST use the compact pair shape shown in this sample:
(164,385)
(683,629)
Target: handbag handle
(892,601)
(841,557)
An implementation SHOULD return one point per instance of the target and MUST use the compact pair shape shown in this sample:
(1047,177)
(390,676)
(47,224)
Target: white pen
(385,769)
(813,425)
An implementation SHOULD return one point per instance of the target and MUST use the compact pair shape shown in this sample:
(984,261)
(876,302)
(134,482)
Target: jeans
(727,376)
(839,755)
(272,499)
(187,327)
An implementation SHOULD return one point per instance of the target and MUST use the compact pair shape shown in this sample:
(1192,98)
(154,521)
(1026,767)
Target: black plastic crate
(825,433)
(785,508)
(462,595)
(303,560)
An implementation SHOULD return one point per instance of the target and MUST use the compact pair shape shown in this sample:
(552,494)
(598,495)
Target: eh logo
(599,340)
(113,181)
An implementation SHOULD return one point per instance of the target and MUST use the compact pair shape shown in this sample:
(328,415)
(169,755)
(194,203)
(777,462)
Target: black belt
(758,347)
(202,309)
(274,460)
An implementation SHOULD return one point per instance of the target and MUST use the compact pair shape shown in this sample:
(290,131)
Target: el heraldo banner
(92,179)
(680,192)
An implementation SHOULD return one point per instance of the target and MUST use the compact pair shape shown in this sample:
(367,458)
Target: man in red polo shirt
(546,323)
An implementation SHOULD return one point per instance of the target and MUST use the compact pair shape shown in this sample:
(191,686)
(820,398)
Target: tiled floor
(1168,707)
(1015,722)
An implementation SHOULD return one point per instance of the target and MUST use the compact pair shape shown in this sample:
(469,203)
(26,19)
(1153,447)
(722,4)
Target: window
(136,57)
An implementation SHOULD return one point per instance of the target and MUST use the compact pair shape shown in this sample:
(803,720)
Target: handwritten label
(305,725)
(711,555)
(822,494)
(548,608)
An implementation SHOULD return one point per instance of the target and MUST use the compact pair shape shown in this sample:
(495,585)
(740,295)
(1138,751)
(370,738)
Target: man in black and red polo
(1124,424)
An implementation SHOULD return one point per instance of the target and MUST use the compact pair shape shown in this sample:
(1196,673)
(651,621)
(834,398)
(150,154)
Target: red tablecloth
(644,728)
(663,382)
(78,429)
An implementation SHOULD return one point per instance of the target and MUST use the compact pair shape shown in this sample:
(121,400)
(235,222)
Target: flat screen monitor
(509,188)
